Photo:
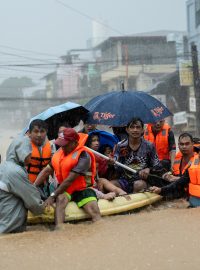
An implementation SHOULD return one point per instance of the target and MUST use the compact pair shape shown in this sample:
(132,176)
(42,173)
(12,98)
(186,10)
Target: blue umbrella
(105,138)
(117,108)
(68,112)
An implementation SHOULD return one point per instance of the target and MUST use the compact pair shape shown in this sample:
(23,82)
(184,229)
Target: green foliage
(15,82)
(13,86)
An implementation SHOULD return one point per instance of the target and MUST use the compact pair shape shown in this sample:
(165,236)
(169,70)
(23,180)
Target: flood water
(162,236)
(152,239)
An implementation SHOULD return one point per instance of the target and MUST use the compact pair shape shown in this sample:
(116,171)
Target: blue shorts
(194,201)
(126,185)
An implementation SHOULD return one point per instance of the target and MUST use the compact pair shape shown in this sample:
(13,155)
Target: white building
(193,22)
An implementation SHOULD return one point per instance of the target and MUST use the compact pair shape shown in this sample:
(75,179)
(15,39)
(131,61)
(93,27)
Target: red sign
(157,111)
(104,116)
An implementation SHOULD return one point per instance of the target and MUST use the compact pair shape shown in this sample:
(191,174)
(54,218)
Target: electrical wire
(138,59)
(25,57)
(29,51)
(88,16)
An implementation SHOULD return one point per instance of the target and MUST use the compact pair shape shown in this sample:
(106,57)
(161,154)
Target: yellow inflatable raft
(118,205)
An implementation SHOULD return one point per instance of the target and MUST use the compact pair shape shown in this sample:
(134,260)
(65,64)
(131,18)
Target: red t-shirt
(102,166)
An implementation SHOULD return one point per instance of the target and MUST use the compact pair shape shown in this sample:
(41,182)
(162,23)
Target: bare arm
(80,169)
(172,147)
(43,175)
(66,183)
(170,189)
(172,155)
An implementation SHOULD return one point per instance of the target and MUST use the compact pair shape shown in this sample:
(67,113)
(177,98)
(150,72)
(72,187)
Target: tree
(12,87)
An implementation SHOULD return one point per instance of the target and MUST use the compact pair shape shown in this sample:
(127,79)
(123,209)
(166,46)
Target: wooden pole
(196,81)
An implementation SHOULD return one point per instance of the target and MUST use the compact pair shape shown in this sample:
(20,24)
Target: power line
(88,16)
(21,70)
(36,72)
(29,51)
(136,61)
(25,57)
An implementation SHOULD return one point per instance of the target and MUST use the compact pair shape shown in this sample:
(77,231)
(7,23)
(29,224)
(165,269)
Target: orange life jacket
(194,173)
(38,160)
(63,164)
(196,147)
(177,165)
(160,140)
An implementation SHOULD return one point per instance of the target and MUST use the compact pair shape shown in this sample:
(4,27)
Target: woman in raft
(102,184)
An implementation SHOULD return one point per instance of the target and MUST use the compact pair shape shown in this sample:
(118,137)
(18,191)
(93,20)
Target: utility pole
(196,81)
(126,63)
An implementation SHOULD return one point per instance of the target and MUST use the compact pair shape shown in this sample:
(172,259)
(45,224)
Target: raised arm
(43,175)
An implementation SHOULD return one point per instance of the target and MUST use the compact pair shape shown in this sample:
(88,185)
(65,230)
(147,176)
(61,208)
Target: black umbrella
(69,112)
(117,108)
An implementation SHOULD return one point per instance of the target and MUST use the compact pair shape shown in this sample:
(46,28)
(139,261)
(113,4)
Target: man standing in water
(188,166)
(41,148)
(185,157)
(17,194)
(138,154)
(161,135)
(75,170)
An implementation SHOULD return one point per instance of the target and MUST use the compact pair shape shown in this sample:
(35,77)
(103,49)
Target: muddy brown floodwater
(159,237)
(165,236)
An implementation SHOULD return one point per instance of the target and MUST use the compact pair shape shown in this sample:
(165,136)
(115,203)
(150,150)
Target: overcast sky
(55,26)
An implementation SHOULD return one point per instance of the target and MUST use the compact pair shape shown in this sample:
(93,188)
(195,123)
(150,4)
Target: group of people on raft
(39,173)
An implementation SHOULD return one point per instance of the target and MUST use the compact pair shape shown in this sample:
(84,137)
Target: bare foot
(122,193)
(60,227)
(109,196)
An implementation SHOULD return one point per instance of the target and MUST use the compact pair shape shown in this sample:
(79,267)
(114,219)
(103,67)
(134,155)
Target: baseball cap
(67,135)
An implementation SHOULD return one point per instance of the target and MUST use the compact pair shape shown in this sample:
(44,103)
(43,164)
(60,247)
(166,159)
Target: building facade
(193,22)
(147,55)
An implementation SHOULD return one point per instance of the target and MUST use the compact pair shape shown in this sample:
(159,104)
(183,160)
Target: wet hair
(185,134)
(38,123)
(86,117)
(196,140)
(102,148)
(118,130)
(63,124)
(134,121)
(90,137)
